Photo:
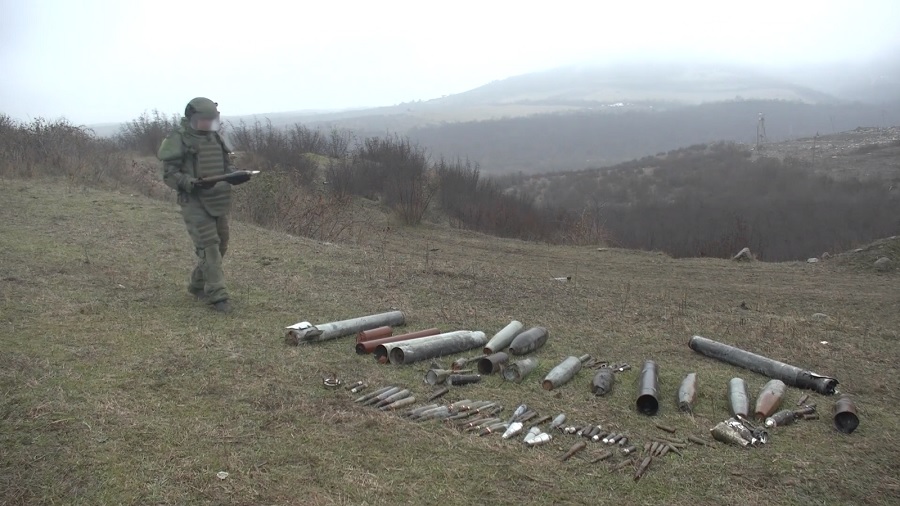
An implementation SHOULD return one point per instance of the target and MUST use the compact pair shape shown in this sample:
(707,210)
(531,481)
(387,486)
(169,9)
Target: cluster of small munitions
(745,427)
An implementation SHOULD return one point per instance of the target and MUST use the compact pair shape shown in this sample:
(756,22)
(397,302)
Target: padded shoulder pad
(171,149)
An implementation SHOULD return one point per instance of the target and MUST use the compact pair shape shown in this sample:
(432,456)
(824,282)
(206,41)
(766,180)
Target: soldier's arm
(171,153)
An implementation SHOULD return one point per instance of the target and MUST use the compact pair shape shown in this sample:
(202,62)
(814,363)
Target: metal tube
(408,352)
(603,381)
(384,395)
(769,399)
(793,376)
(737,397)
(845,417)
(562,374)
(304,333)
(367,347)
(391,398)
(503,338)
(517,371)
(399,403)
(492,363)
(373,394)
(376,333)
(529,341)
(463,379)
(687,392)
(383,351)
(648,389)
(437,376)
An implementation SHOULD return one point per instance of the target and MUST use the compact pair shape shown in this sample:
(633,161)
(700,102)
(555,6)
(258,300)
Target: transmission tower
(760,132)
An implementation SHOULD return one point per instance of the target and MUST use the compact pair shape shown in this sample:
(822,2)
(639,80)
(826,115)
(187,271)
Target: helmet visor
(205,122)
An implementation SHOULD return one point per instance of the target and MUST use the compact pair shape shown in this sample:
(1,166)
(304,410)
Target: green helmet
(203,114)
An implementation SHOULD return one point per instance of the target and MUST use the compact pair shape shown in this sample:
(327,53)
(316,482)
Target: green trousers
(210,237)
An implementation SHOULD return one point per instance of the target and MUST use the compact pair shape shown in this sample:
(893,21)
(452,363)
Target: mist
(102,61)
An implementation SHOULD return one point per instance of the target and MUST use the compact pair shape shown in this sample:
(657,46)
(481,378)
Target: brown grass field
(119,388)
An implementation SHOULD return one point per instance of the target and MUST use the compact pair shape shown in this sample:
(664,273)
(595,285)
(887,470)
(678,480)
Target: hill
(118,388)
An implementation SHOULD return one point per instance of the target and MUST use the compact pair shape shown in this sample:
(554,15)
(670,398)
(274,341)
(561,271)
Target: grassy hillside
(118,388)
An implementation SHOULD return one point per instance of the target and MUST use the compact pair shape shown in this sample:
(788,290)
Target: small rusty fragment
(845,418)
(803,399)
(625,463)
(603,456)
(666,428)
(699,441)
(440,392)
(577,447)
(642,468)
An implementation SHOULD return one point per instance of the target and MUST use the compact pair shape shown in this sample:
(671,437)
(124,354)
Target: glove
(239,178)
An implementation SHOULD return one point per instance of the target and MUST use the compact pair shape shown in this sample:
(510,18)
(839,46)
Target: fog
(104,61)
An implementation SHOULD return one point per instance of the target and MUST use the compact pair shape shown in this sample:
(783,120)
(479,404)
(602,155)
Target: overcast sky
(97,61)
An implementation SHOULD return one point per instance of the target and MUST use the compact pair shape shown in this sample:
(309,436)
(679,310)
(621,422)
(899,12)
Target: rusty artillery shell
(580,431)
(687,392)
(440,392)
(648,389)
(666,428)
(562,373)
(373,334)
(492,363)
(769,399)
(738,398)
(359,388)
(622,465)
(614,440)
(811,416)
(603,381)
(642,468)
(577,447)
(528,341)
(570,430)
(406,401)
(622,442)
(609,436)
(803,399)
(845,418)
(628,450)
(780,419)
(603,456)
(593,432)
(353,385)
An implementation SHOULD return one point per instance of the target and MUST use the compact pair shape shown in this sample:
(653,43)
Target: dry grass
(118,388)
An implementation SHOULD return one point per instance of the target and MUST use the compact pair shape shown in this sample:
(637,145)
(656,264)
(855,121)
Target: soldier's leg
(222,228)
(203,230)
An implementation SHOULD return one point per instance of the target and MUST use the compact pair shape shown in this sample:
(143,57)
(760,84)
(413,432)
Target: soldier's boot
(214,278)
(196,284)
(223,306)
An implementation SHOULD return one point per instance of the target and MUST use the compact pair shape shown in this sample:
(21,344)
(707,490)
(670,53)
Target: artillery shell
(570,430)
(406,401)
(605,439)
(457,404)
(675,451)
(780,419)
(666,428)
(616,439)
(805,410)
(558,421)
(487,422)
(811,416)
(437,393)
(382,396)
(577,447)
(532,433)
(628,450)
(359,388)
(647,446)
(540,439)
(687,392)
(513,429)
(665,450)
(528,416)
(373,394)
(623,441)
(642,468)
(593,432)
(603,456)
(353,385)
(654,448)
(420,409)
(491,429)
